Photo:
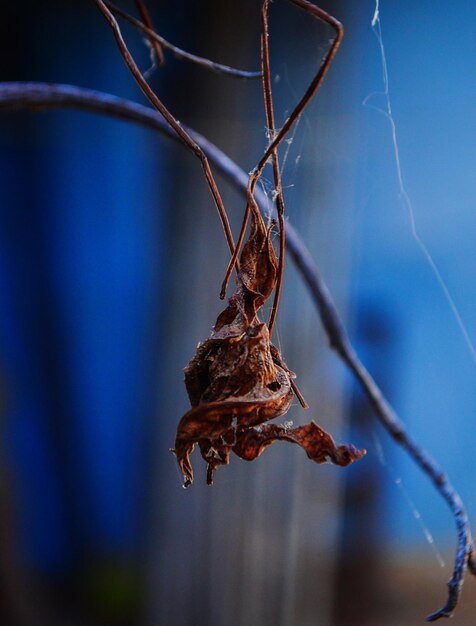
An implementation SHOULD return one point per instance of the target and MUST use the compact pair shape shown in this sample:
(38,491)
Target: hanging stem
(155,43)
(278,188)
(170,119)
(319,14)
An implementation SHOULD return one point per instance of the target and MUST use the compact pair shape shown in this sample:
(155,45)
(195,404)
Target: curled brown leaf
(237,380)
(319,445)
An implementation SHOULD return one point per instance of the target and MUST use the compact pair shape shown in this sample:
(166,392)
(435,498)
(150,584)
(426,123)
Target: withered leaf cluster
(237,380)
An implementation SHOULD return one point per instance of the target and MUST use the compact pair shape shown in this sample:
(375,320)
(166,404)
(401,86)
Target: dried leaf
(237,379)
(319,445)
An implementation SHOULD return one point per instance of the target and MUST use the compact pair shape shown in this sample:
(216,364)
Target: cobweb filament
(266,188)
(403,194)
(289,143)
(397,480)
(376,16)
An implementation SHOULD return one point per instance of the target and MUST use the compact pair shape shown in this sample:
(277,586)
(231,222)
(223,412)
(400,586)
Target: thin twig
(170,119)
(278,187)
(181,54)
(316,82)
(40,96)
(147,19)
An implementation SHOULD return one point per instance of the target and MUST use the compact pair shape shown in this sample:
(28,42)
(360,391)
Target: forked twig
(319,14)
(181,54)
(170,119)
(42,96)
(278,188)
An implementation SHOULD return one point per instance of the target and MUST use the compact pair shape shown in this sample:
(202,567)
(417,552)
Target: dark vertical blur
(81,229)
(359,599)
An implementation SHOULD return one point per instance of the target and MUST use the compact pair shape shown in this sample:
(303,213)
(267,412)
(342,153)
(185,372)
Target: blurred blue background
(111,258)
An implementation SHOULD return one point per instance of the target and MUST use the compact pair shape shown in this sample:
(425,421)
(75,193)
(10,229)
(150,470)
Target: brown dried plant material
(237,379)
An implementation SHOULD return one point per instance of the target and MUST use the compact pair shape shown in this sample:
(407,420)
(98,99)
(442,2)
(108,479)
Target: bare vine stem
(147,19)
(182,134)
(42,96)
(181,54)
(278,187)
(314,85)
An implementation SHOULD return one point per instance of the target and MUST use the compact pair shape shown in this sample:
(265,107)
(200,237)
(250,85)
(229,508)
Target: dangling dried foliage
(237,379)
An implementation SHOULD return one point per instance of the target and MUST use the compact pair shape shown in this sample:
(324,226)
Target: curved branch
(41,96)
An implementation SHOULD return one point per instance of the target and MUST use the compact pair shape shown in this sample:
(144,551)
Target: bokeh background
(111,258)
